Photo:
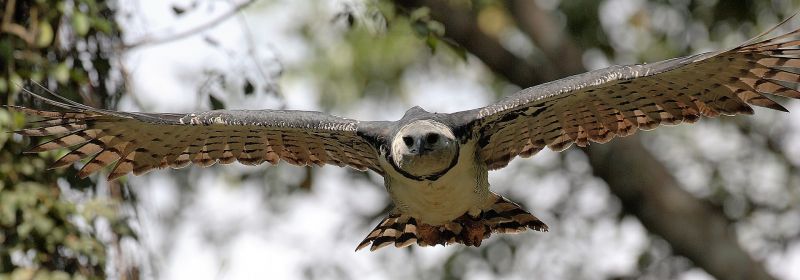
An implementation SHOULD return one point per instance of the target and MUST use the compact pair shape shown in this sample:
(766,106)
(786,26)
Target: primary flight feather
(435,166)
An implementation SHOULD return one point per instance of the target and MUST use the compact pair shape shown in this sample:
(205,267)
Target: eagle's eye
(408,140)
(431,138)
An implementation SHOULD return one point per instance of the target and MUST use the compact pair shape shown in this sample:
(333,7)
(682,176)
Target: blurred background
(716,200)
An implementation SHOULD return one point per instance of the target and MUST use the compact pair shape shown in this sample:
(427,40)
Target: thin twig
(192,31)
(252,51)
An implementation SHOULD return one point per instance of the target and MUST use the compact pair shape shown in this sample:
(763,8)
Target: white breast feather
(464,188)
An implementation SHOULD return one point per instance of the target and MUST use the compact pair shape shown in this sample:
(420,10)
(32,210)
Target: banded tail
(402,230)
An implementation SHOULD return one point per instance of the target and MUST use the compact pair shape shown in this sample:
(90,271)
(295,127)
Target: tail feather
(402,230)
(396,228)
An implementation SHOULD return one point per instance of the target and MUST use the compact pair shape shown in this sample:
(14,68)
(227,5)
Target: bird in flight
(435,165)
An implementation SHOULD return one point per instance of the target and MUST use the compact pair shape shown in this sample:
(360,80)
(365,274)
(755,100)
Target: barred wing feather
(617,101)
(140,142)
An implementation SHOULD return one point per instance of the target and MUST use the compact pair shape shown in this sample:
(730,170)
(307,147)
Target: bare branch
(12,28)
(545,32)
(197,29)
(253,52)
(462,27)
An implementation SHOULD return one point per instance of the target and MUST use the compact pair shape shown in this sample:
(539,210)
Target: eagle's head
(424,147)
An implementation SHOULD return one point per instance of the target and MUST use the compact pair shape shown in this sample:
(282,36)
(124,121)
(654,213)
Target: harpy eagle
(435,165)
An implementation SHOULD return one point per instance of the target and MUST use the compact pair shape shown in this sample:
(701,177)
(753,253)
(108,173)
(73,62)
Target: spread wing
(617,101)
(140,142)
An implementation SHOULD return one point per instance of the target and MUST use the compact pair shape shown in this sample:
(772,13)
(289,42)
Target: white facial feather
(424,147)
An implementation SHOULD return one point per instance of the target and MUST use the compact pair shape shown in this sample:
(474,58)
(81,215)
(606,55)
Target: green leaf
(80,22)
(386,10)
(23,273)
(436,27)
(432,42)
(16,82)
(8,208)
(24,229)
(61,73)
(57,235)
(25,169)
(122,228)
(421,13)
(456,48)
(7,49)
(44,36)
(36,76)
(103,25)
(43,225)
(78,75)
(420,28)
(59,275)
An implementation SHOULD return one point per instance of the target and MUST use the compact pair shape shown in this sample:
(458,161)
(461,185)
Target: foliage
(378,45)
(50,227)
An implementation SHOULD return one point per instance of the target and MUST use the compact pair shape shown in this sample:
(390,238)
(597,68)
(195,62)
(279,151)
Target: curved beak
(419,147)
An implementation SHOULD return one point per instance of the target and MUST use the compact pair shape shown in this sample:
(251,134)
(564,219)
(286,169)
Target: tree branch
(543,30)
(12,28)
(194,30)
(692,226)
(461,26)
(645,187)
